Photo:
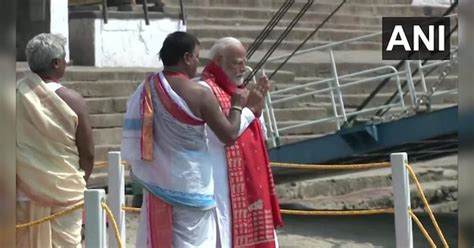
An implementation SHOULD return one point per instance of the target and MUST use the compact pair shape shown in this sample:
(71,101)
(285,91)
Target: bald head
(229,54)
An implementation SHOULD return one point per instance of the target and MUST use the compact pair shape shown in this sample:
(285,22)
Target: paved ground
(343,232)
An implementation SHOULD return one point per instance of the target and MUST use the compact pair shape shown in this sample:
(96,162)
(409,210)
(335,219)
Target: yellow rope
(331,167)
(100,164)
(114,224)
(427,206)
(48,218)
(337,212)
(130,209)
(422,229)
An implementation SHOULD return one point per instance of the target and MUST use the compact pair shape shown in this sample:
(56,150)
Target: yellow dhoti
(47,166)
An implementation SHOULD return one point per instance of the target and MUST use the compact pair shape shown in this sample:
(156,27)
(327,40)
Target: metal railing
(447,13)
(334,88)
(182,13)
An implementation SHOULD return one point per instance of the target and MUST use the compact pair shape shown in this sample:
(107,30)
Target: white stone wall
(59,23)
(131,43)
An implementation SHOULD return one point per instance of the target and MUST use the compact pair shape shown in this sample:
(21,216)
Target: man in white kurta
(230,63)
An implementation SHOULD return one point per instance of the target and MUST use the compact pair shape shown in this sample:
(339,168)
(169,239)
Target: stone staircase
(213,19)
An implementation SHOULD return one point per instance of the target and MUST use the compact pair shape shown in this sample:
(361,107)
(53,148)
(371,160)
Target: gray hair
(42,49)
(221,44)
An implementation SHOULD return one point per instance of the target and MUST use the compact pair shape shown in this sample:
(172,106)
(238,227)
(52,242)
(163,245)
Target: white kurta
(221,179)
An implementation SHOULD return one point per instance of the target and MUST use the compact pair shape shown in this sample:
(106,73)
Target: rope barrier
(336,212)
(331,166)
(130,209)
(114,224)
(48,218)
(422,229)
(100,164)
(307,212)
(427,205)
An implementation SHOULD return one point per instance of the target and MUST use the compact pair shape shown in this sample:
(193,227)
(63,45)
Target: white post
(116,195)
(59,21)
(95,218)
(401,195)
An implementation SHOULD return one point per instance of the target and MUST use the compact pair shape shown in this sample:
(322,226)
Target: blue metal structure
(422,136)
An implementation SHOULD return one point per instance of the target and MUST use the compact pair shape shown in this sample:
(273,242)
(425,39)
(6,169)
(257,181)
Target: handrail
(269,27)
(337,87)
(145,12)
(330,79)
(279,40)
(324,47)
(182,14)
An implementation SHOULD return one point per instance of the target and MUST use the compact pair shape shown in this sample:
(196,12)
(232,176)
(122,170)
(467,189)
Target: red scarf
(254,202)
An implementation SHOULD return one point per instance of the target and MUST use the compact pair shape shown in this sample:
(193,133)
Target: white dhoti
(189,227)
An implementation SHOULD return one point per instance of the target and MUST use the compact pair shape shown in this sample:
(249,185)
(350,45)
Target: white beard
(238,81)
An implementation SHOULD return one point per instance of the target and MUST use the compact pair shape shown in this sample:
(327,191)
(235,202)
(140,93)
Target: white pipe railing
(116,195)
(95,228)
(401,200)
(341,116)
(96,234)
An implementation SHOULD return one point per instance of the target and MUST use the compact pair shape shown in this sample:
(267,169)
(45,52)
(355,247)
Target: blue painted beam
(347,142)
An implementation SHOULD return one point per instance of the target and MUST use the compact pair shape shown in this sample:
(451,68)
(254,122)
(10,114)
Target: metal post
(411,85)
(336,81)
(334,107)
(402,205)
(95,218)
(422,75)
(276,136)
(116,196)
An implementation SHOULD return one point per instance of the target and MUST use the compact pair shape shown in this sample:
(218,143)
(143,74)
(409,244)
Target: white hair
(42,49)
(222,44)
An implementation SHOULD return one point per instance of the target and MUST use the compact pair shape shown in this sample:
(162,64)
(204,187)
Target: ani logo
(415,38)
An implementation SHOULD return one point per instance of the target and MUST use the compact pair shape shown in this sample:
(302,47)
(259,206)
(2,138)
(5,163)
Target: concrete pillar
(59,20)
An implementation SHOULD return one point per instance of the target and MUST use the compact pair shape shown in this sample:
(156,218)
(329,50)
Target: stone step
(106,105)
(107,120)
(291,45)
(101,151)
(297,34)
(230,22)
(103,88)
(266,13)
(373,198)
(89,73)
(301,67)
(450,82)
(265,3)
(351,100)
(347,190)
(337,183)
(103,136)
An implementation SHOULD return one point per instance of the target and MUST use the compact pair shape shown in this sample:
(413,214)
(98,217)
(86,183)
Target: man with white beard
(247,204)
